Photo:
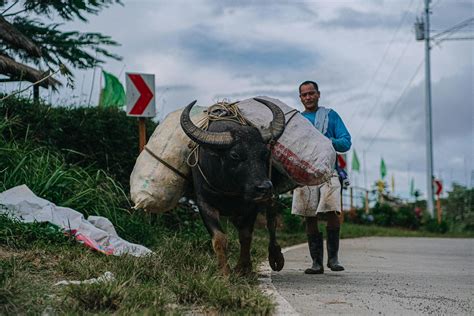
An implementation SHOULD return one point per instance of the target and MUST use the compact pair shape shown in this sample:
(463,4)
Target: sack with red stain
(302,153)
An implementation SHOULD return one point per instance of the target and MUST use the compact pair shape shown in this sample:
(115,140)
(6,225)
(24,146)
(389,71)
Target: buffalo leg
(275,257)
(210,217)
(245,227)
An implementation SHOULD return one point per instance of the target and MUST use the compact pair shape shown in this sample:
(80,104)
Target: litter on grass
(96,232)
(106,277)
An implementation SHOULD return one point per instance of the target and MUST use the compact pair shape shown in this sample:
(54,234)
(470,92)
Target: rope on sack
(148,150)
(221,111)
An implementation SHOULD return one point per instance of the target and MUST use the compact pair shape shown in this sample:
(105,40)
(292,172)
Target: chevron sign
(140,94)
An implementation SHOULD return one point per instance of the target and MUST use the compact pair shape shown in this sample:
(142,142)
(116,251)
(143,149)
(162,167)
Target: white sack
(24,205)
(302,153)
(153,186)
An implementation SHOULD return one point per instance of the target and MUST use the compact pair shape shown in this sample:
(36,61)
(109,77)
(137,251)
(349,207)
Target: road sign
(140,94)
(438,186)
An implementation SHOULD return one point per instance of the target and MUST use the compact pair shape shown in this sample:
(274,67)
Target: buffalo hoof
(275,258)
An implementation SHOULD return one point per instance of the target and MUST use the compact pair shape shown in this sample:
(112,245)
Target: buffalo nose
(265,187)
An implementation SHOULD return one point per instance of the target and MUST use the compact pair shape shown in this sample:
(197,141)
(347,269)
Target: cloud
(452,107)
(205,48)
(350,18)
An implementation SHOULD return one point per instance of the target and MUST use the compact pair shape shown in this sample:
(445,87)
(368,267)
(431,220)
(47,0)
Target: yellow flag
(393,183)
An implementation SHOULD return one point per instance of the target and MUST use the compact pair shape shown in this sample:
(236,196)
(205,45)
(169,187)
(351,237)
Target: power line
(383,56)
(395,106)
(454,28)
(383,88)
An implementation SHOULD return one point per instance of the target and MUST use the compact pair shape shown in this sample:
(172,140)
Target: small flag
(113,94)
(341,160)
(380,185)
(383,169)
(412,187)
(355,162)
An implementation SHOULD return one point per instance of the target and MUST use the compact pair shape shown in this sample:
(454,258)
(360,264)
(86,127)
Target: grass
(180,277)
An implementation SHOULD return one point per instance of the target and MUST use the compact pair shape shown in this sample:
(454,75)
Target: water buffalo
(231,179)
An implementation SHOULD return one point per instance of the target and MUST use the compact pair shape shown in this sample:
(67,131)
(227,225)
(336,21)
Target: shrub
(358,217)
(103,138)
(459,208)
(405,217)
(291,223)
(432,226)
(383,214)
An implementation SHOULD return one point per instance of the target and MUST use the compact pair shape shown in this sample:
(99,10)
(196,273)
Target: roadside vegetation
(86,168)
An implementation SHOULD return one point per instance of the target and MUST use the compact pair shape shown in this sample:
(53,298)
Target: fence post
(366,201)
(438,208)
(141,133)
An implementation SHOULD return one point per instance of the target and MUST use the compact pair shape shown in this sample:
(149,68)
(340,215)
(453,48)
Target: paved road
(401,276)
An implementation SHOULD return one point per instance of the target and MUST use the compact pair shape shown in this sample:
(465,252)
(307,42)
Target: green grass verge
(180,277)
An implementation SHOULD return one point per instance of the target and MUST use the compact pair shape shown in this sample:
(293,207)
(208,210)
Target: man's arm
(342,139)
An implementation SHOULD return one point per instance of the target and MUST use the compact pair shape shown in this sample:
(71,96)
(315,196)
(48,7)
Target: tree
(460,206)
(31,48)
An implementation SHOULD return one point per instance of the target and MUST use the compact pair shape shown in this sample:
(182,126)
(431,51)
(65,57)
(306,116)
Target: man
(325,199)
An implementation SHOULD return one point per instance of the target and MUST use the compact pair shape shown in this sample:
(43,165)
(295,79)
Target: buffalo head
(234,157)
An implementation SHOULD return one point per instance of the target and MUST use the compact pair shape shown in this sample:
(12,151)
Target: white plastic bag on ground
(302,153)
(154,186)
(21,203)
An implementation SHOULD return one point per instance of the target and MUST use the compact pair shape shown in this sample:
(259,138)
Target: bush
(405,217)
(291,223)
(102,138)
(459,208)
(383,214)
(432,226)
(358,217)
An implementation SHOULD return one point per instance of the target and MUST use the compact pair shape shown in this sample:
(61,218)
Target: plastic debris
(97,232)
(106,277)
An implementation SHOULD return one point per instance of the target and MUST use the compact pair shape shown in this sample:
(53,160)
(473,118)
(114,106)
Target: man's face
(309,97)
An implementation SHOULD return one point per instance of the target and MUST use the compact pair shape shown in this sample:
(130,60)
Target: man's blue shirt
(336,131)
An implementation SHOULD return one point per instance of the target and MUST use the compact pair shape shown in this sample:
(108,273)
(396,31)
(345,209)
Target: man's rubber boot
(333,249)
(316,250)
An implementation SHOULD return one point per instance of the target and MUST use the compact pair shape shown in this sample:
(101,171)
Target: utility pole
(429,129)
(423,33)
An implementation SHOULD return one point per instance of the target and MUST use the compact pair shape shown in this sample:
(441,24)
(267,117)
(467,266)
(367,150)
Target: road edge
(283,307)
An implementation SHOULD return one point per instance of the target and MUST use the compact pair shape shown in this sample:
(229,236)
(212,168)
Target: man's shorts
(313,200)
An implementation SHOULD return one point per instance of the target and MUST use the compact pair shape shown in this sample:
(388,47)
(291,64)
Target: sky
(363,54)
